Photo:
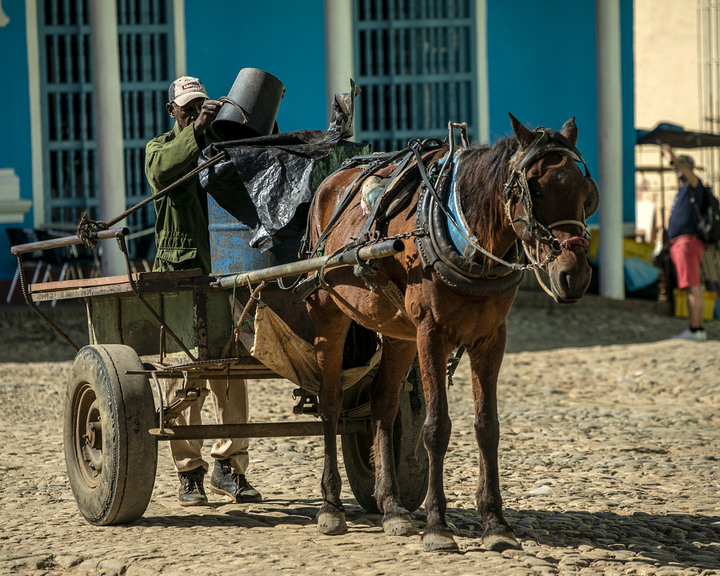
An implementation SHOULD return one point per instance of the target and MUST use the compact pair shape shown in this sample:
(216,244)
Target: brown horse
(475,213)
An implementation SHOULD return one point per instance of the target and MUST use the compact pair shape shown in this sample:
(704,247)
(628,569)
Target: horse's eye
(534,189)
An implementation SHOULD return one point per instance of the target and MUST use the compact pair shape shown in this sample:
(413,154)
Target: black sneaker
(191,491)
(225,482)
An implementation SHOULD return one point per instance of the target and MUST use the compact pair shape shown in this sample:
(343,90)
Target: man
(686,247)
(181,235)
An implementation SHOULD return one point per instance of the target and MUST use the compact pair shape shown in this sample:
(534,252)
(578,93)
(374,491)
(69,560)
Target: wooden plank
(82,284)
(80,292)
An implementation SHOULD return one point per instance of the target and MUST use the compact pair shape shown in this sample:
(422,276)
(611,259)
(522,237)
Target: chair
(69,260)
(32,261)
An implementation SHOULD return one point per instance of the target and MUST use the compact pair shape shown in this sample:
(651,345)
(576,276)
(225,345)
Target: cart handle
(67,241)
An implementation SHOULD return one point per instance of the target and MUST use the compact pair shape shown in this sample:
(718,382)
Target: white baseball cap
(185,89)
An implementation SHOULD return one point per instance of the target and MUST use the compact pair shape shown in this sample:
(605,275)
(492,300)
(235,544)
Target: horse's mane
(482,172)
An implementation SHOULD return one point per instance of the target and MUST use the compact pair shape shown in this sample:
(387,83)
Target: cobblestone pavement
(609,465)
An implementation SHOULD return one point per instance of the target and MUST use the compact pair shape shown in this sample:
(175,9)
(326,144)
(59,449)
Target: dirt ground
(609,464)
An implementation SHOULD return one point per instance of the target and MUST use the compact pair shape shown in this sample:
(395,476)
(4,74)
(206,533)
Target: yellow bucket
(681,311)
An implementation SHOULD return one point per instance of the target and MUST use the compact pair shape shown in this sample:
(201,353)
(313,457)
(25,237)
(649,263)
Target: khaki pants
(231,407)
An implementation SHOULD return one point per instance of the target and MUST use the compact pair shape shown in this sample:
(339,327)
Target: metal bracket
(185,397)
(307,402)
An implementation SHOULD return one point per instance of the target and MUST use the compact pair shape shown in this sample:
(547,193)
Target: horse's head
(549,198)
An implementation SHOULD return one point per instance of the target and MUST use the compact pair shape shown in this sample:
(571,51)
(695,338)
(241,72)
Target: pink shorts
(686,253)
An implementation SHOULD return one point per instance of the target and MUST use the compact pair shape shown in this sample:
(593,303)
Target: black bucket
(251,106)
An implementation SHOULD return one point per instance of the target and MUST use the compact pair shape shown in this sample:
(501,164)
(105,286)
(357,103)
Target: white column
(609,95)
(483,83)
(180,41)
(108,124)
(338,49)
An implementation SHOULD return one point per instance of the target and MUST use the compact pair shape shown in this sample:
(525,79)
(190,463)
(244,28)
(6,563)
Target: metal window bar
(414,64)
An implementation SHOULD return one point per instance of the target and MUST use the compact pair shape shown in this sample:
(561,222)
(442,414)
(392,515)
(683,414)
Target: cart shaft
(373,251)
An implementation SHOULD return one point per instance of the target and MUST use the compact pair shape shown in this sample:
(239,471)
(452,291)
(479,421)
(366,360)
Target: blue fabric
(453,207)
(683,215)
(639,274)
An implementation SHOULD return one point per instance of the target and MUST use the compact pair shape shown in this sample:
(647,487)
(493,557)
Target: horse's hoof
(500,542)
(331,523)
(439,542)
(400,526)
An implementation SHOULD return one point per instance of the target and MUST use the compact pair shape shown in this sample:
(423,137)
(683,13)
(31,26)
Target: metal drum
(230,250)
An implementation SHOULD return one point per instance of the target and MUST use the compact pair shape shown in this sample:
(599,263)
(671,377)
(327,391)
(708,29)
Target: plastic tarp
(639,274)
(266,179)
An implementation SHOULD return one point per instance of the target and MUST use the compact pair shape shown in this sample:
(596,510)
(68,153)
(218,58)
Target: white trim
(338,49)
(483,89)
(35,113)
(180,43)
(12,208)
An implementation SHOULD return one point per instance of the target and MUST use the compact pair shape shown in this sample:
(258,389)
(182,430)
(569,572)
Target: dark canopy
(677,137)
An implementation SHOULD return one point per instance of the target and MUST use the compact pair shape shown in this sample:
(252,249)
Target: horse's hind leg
(396,359)
(485,366)
(331,327)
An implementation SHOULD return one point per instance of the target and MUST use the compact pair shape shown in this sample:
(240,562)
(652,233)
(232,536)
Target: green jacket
(181,226)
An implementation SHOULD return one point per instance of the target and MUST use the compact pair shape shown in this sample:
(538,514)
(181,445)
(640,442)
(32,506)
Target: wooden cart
(150,325)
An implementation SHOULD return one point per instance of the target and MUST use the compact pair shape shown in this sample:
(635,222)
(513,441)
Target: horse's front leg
(396,359)
(485,362)
(433,352)
(330,332)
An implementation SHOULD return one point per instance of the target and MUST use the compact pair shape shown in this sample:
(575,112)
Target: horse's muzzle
(570,273)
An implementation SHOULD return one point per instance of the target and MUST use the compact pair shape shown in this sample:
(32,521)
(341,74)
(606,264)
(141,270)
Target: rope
(87,227)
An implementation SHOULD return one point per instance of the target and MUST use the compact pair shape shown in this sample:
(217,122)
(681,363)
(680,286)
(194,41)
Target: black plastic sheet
(267,180)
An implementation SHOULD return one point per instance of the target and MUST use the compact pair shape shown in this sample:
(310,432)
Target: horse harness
(444,240)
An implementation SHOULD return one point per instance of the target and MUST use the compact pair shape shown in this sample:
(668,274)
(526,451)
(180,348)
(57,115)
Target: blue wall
(545,75)
(628,107)
(283,37)
(15,145)
(541,68)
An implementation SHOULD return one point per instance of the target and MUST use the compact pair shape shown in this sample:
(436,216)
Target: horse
(479,216)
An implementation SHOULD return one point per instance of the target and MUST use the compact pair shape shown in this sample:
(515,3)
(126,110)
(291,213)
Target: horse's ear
(569,130)
(524,136)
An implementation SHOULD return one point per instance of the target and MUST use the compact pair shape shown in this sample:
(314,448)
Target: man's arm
(167,160)
(685,169)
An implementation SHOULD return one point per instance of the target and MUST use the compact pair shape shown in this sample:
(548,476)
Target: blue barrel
(230,250)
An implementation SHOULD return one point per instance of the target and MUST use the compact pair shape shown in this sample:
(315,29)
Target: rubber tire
(412,473)
(111,476)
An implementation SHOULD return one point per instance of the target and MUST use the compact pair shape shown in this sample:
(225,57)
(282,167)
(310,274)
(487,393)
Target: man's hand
(209,111)
(667,149)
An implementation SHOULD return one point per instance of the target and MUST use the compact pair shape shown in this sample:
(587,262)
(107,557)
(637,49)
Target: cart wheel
(411,460)
(111,458)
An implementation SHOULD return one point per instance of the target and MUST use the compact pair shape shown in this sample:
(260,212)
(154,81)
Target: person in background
(686,247)
(182,239)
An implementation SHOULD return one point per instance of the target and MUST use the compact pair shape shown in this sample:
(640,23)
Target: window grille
(415,64)
(146,49)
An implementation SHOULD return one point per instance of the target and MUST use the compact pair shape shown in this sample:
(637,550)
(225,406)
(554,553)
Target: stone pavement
(608,458)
